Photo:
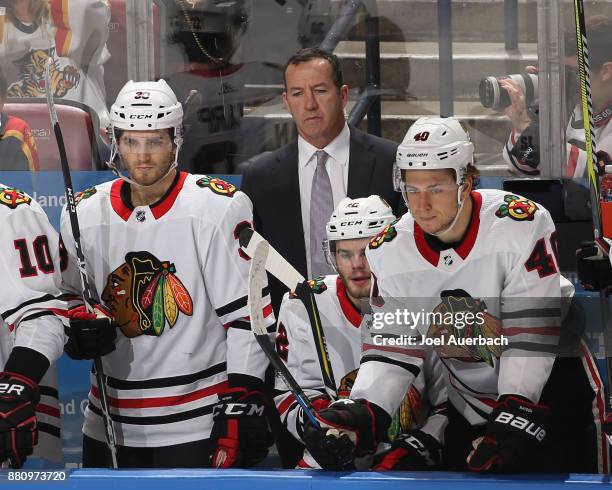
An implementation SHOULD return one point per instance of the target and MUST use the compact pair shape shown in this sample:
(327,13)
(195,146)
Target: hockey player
(462,252)
(340,299)
(31,336)
(161,246)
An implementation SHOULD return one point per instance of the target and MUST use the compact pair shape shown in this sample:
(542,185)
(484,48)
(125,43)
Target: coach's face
(314,101)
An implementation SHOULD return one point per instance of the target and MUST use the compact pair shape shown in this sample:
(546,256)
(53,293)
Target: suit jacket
(272,184)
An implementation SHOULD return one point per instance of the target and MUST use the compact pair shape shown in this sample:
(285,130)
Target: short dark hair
(308,54)
(3,85)
(599,37)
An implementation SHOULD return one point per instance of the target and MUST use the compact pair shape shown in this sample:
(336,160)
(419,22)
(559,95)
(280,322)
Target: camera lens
(494,96)
(488,90)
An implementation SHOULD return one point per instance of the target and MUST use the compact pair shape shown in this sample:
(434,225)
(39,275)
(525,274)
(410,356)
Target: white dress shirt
(337,167)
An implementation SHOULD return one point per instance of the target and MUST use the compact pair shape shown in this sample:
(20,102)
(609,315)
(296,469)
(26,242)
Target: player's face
(314,101)
(146,154)
(432,197)
(353,267)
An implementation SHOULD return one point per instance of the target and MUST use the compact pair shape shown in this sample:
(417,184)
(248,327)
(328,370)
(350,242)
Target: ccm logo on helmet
(6,388)
(522,424)
(141,116)
(351,223)
(234,409)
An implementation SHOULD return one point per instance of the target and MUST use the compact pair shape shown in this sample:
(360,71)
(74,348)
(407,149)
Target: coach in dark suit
(284,186)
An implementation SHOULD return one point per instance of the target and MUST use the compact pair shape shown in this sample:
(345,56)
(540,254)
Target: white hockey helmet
(145,106)
(364,217)
(434,143)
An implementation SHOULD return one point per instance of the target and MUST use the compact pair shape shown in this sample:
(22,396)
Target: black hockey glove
(414,450)
(594,268)
(515,431)
(348,430)
(90,335)
(18,432)
(240,435)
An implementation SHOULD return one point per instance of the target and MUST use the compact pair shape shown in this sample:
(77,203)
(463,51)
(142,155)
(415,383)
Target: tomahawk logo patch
(218,186)
(86,194)
(145,294)
(12,197)
(388,234)
(518,208)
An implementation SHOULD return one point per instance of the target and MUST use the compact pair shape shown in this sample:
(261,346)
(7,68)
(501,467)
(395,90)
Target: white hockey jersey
(575,145)
(30,298)
(75,37)
(345,330)
(503,273)
(176,282)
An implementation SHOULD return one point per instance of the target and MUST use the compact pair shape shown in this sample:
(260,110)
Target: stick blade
(276,264)
(257,279)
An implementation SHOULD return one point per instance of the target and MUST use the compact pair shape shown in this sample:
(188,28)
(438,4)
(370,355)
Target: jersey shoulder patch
(386,235)
(218,186)
(517,208)
(317,285)
(85,194)
(11,197)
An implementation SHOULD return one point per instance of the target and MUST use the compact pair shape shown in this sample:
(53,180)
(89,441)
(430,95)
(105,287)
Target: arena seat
(115,69)
(79,126)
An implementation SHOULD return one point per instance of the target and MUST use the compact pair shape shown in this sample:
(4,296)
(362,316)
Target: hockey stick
(85,290)
(594,184)
(286,273)
(257,278)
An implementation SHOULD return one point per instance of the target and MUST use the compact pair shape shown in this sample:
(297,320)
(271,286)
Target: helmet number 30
(141,95)
(421,136)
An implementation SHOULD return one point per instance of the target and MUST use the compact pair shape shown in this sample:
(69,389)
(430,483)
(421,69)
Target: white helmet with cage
(145,106)
(364,217)
(434,143)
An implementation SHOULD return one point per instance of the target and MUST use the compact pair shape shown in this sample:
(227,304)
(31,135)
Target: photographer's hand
(517,110)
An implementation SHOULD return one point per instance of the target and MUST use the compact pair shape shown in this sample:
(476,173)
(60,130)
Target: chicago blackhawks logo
(466,329)
(144,294)
(13,197)
(518,208)
(408,414)
(386,235)
(86,194)
(346,383)
(218,186)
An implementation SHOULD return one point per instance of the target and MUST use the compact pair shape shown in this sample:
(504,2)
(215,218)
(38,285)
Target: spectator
(73,33)
(522,153)
(295,189)
(217,136)
(17,145)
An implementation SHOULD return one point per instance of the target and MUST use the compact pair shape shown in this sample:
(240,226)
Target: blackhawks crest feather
(145,294)
(11,197)
(518,208)
(218,186)
(386,235)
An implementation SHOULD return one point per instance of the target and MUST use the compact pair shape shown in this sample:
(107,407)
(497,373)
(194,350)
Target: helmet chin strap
(460,203)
